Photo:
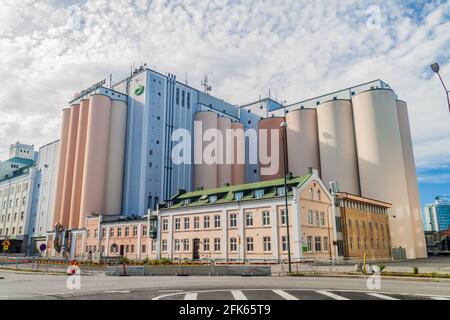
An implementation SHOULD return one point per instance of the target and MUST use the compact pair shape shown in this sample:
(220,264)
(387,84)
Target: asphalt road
(38,286)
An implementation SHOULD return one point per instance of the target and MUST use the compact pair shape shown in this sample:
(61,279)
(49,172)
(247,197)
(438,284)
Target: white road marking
(191,296)
(382,296)
(331,295)
(238,295)
(170,290)
(440,298)
(117,291)
(285,295)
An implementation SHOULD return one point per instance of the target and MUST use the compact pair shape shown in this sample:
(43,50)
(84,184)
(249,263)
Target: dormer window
(169,204)
(281,191)
(259,193)
(212,198)
(238,196)
(186,202)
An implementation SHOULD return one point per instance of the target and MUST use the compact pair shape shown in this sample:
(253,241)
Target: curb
(423,279)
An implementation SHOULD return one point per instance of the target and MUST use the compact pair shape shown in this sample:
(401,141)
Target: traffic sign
(42,247)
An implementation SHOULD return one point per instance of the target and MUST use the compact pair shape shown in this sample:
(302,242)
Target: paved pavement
(39,286)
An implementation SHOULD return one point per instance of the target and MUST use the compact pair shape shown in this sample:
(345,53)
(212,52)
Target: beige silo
(302,141)
(69,167)
(205,173)
(62,165)
(238,166)
(116,157)
(96,157)
(275,162)
(411,180)
(380,161)
(79,165)
(338,159)
(224,170)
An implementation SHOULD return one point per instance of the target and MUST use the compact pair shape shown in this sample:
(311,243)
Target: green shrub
(382,267)
(415,270)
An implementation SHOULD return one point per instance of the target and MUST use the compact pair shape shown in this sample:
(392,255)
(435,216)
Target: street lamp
(286,171)
(435,67)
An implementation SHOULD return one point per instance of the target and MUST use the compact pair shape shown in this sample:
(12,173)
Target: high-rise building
(437,215)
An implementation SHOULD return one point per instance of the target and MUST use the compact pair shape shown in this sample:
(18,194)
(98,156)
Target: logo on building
(139,90)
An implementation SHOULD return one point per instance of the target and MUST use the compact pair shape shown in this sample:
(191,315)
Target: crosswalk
(291,294)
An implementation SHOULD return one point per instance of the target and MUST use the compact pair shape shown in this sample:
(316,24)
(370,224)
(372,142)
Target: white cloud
(299,49)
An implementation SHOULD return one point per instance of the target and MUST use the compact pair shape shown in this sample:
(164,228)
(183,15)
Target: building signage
(90,89)
(139,90)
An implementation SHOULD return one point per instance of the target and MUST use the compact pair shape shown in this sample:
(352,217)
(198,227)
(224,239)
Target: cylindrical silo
(224,172)
(271,148)
(62,165)
(380,160)
(79,165)
(96,157)
(238,166)
(302,141)
(116,157)
(338,159)
(411,180)
(205,169)
(69,168)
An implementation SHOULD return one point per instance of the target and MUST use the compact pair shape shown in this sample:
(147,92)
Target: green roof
(226,194)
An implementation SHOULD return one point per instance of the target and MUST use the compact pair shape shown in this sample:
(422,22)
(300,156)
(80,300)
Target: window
(266,244)
(177,245)
(322,218)
(177,224)
(249,219)
(135,231)
(144,230)
(233,220)
(284,243)
(186,245)
(165,224)
(217,244)
(310,217)
(119,232)
(311,194)
(206,245)
(318,242)
(177,97)
(182,98)
(188,100)
(164,245)
(88,233)
(212,198)
(249,244)
(359,243)
(153,245)
(127,248)
(318,195)
(132,248)
(266,218)
(325,244)
(283,216)
(238,196)
(186,223)
(338,224)
(233,244)
(351,243)
(196,223)
(259,194)
(281,191)
(127,231)
(206,222)
(144,248)
(216,221)
(317,218)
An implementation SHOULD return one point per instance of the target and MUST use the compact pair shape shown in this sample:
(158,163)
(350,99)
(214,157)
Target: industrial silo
(96,157)
(338,158)
(271,138)
(411,180)
(70,161)
(380,160)
(302,141)
(224,170)
(205,168)
(116,156)
(62,165)
(79,164)
(238,166)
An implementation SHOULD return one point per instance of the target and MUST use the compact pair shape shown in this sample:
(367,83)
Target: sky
(297,49)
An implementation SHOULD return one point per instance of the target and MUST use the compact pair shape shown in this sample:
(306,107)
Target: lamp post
(435,67)
(286,171)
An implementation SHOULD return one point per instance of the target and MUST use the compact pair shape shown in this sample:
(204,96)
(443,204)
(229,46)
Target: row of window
(7,191)
(118,231)
(129,248)
(316,218)
(364,207)
(13,231)
(317,244)
(8,217)
(16,203)
(188,98)
(373,243)
(233,218)
(364,227)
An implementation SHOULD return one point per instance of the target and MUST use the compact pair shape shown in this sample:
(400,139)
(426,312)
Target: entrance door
(195,255)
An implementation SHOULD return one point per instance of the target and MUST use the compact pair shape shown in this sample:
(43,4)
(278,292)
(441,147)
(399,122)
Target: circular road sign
(42,247)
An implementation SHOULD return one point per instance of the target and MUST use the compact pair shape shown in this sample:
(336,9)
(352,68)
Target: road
(97,286)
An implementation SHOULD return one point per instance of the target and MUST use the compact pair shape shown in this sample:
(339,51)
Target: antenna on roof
(205,84)
(186,79)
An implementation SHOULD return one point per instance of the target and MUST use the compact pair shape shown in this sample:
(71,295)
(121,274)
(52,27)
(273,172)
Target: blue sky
(297,49)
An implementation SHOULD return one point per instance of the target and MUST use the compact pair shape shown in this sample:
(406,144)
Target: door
(196,247)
